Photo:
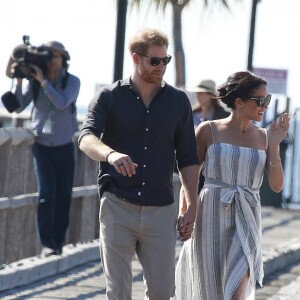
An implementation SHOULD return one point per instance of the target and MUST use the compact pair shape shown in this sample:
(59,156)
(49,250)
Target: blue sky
(215,41)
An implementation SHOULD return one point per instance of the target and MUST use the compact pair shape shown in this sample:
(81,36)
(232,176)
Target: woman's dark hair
(65,63)
(238,85)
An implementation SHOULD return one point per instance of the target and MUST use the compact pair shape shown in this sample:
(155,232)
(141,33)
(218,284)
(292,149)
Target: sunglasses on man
(260,101)
(155,61)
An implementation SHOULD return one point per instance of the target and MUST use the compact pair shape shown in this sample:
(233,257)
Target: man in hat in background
(54,92)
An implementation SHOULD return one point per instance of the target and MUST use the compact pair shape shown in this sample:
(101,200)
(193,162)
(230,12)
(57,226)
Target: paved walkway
(283,285)
(77,274)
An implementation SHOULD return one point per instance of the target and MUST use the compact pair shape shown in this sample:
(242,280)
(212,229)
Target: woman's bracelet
(276,164)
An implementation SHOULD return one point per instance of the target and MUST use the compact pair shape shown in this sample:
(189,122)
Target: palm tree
(177,8)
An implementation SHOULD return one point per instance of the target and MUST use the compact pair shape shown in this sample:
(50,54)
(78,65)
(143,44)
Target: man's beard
(149,77)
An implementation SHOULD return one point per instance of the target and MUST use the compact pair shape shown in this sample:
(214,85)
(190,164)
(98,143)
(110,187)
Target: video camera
(25,55)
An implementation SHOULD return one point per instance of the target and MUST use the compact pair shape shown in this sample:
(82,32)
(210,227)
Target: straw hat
(206,86)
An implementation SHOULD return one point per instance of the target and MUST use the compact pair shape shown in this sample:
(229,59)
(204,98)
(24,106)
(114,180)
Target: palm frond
(162,4)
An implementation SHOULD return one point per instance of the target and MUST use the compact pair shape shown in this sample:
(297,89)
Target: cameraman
(54,92)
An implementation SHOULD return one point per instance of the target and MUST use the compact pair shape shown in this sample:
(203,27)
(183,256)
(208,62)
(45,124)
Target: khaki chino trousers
(150,232)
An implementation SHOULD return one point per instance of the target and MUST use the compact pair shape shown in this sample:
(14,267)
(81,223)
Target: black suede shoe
(58,251)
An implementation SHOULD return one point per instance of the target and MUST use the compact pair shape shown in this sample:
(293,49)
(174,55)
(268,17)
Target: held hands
(122,163)
(185,224)
(277,132)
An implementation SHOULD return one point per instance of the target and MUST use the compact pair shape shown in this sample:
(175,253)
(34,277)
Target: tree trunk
(252,35)
(120,39)
(178,48)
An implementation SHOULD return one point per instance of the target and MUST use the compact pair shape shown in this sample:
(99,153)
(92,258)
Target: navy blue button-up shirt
(153,137)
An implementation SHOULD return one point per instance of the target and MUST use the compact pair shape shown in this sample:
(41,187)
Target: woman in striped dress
(222,260)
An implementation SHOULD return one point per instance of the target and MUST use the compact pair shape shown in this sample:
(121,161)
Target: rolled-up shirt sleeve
(96,116)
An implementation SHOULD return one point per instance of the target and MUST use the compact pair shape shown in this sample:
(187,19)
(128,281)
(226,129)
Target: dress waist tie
(248,224)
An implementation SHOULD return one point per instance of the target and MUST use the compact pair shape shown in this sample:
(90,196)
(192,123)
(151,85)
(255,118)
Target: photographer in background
(54,92)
